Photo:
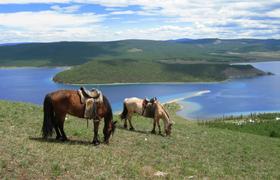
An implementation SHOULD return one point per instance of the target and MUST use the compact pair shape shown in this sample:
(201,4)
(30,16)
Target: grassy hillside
(124,71)
(261,124)
(75,53)
(193,151)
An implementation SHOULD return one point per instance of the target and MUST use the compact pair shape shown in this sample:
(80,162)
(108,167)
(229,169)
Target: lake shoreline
(35,67)
(64,68)
(23,81)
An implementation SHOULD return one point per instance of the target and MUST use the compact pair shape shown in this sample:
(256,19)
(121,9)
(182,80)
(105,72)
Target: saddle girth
(144,105)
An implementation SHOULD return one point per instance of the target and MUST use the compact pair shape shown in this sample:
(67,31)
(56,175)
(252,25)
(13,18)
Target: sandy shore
(199,93)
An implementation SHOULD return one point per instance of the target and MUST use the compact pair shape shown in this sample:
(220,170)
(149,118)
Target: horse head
(168,129)
(110,131)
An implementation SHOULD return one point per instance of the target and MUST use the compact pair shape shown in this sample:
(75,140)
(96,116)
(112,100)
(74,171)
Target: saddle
(150,111)
(91,99)
(153,100)
(94,93)
(148,107)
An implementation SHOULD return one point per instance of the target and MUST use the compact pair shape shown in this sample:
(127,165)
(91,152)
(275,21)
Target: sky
(107,20)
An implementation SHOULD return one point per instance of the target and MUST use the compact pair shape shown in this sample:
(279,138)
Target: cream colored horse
(151,109)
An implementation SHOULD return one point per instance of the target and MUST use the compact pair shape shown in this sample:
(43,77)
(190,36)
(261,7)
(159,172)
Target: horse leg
(95,140)
(105,131)
(60,120)
(159,130)
(58,135)
(166,128)
(130,124)
(125,123)
(154,126)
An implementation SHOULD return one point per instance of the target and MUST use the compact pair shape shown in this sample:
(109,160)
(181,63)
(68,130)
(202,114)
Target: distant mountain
(215,40)
(76,53)
(183,40)
(12,44)
(196,41)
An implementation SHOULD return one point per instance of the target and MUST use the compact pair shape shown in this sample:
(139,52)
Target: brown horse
(150,109)
(59,103)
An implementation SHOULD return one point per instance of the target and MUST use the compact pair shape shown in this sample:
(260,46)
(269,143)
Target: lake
(199,100)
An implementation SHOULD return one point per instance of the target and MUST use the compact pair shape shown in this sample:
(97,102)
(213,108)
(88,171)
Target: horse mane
(164,110)
(166,113)
(109,114)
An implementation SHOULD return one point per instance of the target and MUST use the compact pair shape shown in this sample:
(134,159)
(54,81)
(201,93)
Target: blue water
(260,94)
(240,96)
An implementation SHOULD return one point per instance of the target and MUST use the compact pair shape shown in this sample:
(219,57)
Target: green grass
(192,150)
(131,71)
(259,124)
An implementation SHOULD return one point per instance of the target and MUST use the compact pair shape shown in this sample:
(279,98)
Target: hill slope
(75,53)
(193,151)
(131,71)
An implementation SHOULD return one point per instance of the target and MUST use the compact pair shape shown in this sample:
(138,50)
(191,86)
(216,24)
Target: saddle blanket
(90,105)
(150,111)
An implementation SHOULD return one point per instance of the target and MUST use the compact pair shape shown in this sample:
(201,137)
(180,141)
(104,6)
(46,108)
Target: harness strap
(144,106)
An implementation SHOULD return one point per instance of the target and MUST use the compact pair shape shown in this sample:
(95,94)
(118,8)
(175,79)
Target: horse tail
(125,111)
(47,128)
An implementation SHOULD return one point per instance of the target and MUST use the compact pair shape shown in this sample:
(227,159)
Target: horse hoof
(125,126)
(63,139)
(131,129)
(95,143)
(153,132)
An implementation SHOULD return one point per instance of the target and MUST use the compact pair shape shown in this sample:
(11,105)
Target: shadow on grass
(138,131)
(69,141)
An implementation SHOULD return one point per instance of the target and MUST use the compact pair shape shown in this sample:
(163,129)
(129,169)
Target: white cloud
(122,12)
(173,19)
(47,26)
(274,13)
(32,1)
(67,9)
(47,19)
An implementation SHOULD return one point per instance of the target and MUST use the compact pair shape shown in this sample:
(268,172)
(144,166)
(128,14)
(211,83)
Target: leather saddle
(150,108)
(153,100)
(94,93)
(91,99)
